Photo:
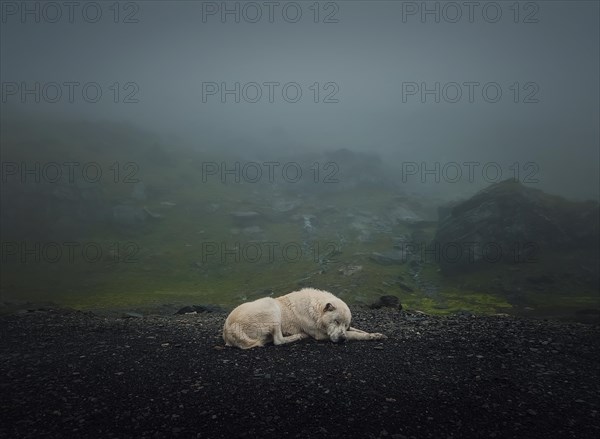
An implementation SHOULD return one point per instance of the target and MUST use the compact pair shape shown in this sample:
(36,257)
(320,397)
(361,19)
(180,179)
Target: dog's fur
(301,314)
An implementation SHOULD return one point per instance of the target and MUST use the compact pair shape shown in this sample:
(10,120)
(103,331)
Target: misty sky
(544,55)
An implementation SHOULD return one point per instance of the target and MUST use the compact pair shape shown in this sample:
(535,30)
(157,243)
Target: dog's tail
(234,335)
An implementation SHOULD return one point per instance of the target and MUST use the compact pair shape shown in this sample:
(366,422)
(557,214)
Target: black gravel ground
(71,374)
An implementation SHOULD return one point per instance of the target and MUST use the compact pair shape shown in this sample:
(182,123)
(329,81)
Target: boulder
(401,214)
(388,258)
(349,270)
(245,217)
(387,302)
(193,309)
(509,222)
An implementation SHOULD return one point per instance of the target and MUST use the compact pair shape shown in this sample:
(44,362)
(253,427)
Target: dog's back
(250,324)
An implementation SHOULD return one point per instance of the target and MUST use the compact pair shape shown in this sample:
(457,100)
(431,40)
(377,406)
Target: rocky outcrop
(387,302)
(509,222)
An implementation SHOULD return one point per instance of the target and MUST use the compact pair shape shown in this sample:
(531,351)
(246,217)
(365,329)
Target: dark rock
(245,217)
(414,264)
(404,287)
(349,270)
(511,223)
(132,315)
(200,309)
(387,302)
(445,211)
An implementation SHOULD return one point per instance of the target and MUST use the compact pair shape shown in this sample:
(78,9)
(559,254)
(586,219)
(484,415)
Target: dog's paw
(378,336)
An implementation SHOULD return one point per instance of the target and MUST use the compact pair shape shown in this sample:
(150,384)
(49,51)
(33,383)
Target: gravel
(72,374)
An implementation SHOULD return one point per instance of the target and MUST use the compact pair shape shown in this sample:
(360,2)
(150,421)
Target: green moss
(478,303)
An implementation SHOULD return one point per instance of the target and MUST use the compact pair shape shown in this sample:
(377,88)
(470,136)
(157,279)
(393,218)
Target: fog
(375,66)
(169,169)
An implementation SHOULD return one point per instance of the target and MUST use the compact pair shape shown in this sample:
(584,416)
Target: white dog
(301,314)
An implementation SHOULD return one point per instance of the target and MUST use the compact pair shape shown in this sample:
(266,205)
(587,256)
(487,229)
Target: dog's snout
(338,338)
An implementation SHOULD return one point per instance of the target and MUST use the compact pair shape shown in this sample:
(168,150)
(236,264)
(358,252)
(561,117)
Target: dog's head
(336,320)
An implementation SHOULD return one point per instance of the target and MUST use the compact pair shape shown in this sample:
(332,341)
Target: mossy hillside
(166,261)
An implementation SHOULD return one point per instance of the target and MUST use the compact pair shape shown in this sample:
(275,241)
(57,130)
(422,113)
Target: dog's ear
(329,307)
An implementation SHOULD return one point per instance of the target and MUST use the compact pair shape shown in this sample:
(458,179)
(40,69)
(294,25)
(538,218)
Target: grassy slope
(169,265)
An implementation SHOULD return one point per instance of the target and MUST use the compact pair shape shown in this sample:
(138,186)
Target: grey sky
(373,49)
